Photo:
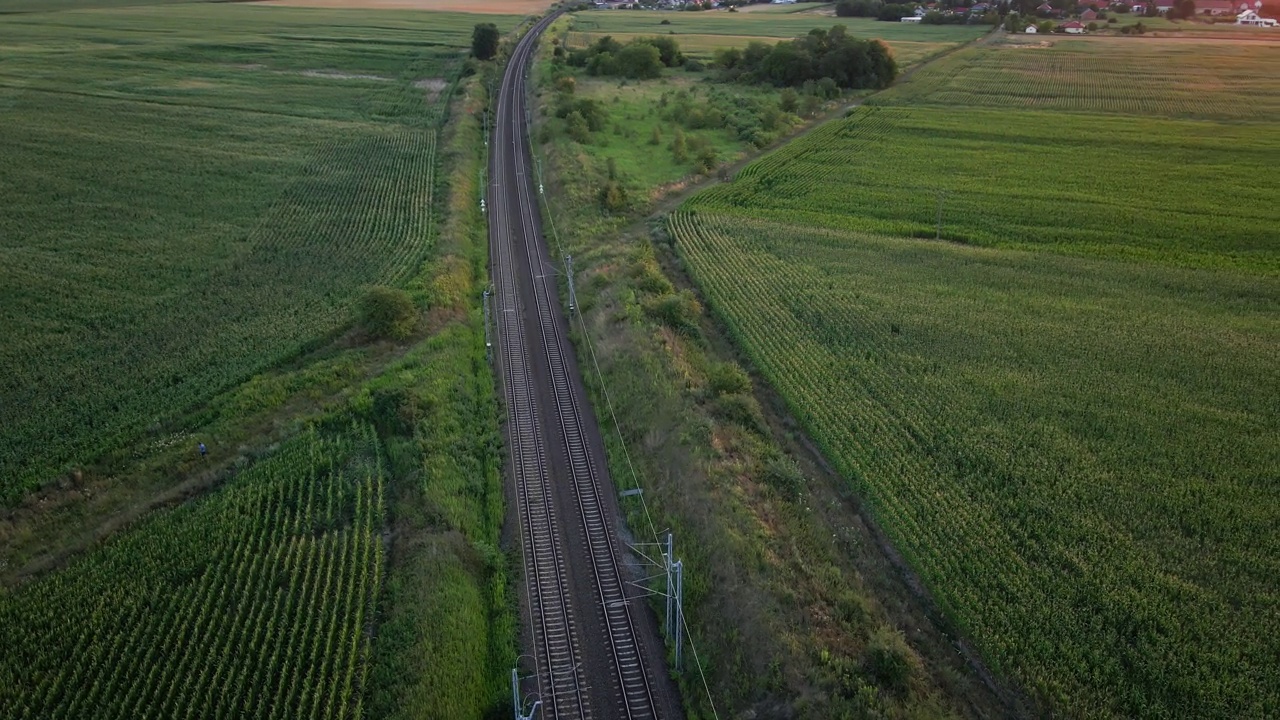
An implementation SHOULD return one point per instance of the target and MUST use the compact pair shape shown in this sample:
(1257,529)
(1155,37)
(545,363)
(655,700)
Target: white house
(1072,27)
(912,19)
(1031,30)
(1251,18)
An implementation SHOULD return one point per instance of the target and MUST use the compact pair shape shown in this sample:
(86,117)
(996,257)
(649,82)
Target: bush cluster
(821,55)
(641,59)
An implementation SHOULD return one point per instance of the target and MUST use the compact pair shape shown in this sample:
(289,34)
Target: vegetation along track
(582,620)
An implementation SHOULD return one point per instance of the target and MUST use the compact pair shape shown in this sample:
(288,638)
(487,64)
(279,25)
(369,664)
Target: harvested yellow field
(491,7)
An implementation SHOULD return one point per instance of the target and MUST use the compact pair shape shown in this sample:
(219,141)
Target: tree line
(832,54)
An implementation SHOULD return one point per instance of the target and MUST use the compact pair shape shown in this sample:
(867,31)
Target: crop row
(359,214)
(1001,487)
(1208,81)
(253,603)
(1020,180)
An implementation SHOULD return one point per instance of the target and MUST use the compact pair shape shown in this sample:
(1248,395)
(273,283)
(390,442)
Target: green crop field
(1067,417)
(1098,185)
(193,193)
(252,603)
(1200,79)
(764,25)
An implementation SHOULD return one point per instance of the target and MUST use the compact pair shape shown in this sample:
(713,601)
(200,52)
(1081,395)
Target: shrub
(727,378)
(889,660)
(678,311)
(388,313)
(742,410)
(783,475)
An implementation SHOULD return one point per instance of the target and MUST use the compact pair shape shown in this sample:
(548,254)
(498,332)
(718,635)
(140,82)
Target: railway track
(589,659)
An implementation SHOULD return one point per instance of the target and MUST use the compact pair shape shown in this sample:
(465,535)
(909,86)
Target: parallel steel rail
(557,651)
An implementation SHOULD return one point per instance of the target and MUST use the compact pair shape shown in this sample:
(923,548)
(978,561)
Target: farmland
(195,193)
(254,601)
(701,34)
(1065,413)
(1194,79)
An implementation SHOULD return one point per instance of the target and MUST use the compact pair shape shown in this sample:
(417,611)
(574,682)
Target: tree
(707,158)
(727,58)
(668,50)
(484,41)
(788,101)
(656,137)
(577,127)
(639,61)
(680,147)
(388,313)
(613,197)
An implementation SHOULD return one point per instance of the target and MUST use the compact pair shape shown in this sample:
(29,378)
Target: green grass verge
(783,617)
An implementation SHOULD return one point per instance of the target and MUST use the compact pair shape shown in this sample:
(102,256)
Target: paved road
(592,646)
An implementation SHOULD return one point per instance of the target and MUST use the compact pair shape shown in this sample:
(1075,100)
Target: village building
(1073,27)
(1252,19)
(1031,30)
(1088,15)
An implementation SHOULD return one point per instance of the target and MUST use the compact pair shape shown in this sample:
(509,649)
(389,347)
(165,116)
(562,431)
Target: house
(1214,7)
(1044,8)
(912,19)
(1031,30)
(1072,27)
(1164,6)
(1138,9)
(979,7)
(1088,15)
(1252,19)
(919,12)
(1246,5)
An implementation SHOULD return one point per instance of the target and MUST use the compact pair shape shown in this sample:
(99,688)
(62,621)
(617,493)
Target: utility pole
(671,596)
(516,703)
(679,568)
(488,343)
(675,598)
(573,295)
(539,162)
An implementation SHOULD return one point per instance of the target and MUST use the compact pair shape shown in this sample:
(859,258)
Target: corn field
(253,603)
(1075,469)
